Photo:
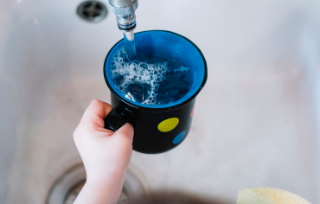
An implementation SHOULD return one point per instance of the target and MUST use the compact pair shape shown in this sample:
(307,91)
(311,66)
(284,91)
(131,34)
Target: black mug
(161,127)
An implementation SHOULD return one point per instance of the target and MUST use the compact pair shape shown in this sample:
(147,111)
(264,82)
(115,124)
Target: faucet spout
(125,12)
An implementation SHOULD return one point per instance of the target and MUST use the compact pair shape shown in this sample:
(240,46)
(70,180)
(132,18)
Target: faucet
(125,12)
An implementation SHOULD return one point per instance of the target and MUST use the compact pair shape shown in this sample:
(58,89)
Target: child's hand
(105,154)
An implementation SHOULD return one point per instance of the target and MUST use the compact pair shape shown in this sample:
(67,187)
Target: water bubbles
(139,81)
(144,65)
(151,83)
(181,69)
(138,92)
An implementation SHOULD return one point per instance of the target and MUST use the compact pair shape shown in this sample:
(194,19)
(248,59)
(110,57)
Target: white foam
(141,72)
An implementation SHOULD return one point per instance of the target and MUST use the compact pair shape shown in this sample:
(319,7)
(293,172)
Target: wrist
(106,179)
(100,192)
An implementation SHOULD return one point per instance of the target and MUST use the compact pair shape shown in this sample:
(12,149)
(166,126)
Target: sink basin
(256,122)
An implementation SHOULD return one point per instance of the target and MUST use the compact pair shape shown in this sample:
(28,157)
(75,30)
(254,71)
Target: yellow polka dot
(168,124)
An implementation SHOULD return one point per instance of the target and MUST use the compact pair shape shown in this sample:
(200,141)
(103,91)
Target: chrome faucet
(125,12)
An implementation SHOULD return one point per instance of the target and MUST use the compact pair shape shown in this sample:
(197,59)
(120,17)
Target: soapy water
(150,83)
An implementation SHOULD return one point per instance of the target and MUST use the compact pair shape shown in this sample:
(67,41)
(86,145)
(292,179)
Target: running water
(130,44)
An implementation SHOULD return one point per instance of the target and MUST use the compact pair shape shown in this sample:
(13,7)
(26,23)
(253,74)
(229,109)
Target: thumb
(126,131)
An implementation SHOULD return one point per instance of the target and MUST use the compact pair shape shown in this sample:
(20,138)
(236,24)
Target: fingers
(126,131)
(95,113)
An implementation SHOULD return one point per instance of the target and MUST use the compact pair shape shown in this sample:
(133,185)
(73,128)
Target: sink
(256,122)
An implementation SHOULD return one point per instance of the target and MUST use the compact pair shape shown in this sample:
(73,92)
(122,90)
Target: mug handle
(119,116)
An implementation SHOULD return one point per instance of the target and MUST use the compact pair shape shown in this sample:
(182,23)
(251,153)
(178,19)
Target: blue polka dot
(179,137)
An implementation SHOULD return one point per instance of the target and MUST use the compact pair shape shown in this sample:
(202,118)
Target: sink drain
(68,187)
(92,11)
(73,194)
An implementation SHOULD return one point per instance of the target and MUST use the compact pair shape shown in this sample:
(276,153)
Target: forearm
(105,154)
(95,192)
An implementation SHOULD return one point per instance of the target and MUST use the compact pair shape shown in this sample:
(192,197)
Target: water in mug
(150,77)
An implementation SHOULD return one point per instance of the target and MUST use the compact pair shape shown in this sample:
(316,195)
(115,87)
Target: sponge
(268,196)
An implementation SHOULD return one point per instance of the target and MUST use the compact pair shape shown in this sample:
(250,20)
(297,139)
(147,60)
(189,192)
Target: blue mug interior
(163,43)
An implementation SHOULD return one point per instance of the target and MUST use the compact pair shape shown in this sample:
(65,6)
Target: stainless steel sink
(256,122)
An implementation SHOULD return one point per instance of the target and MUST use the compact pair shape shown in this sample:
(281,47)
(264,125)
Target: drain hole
(68,187)
(92,11)
(74,192)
